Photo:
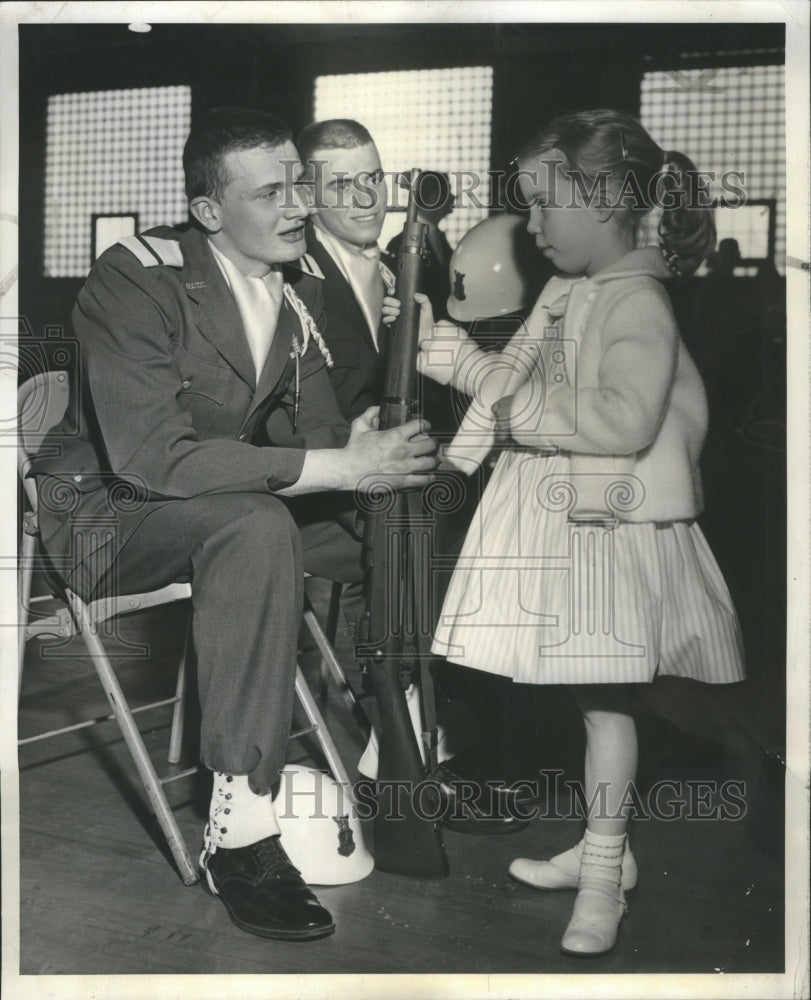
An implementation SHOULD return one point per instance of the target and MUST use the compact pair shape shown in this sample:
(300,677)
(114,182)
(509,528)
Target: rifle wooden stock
(406,842)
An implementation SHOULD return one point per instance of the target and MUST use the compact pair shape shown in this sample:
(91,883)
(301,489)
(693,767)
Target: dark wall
(539,71)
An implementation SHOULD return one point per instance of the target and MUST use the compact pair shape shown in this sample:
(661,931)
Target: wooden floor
(99,895)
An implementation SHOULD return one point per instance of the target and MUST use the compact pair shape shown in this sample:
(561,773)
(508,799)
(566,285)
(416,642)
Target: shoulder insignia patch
(308,265)
(152,250)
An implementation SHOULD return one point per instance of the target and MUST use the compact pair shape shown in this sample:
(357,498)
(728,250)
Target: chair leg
(328,657)
(179,711)
(316,720)
(331,631)
(135,744)
(27,550)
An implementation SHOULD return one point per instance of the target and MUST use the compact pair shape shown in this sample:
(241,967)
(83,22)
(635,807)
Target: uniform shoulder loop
(153,250)
(308,265)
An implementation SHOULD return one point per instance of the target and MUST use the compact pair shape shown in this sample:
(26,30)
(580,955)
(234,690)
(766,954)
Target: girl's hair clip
(623,147)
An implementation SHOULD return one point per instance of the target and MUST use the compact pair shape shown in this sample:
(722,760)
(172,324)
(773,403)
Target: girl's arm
(622,414)
(447,355)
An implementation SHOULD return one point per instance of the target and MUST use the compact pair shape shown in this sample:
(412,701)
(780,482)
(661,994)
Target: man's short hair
(226,130)
(335,133)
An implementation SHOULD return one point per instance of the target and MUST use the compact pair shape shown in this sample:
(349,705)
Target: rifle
(396,626)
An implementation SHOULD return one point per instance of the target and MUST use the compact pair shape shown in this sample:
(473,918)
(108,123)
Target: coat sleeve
(125,321)
(622,413)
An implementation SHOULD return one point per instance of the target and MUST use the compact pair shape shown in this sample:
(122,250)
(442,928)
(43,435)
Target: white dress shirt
(259,301)
(361,268)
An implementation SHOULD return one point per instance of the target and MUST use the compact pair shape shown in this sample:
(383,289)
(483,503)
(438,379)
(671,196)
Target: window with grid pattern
(730,118)
(111,152)
(445,124)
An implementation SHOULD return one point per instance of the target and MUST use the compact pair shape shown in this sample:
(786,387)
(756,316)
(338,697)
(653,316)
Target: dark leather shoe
(474,806)
(264,893)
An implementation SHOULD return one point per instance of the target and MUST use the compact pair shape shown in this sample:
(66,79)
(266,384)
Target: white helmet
(491,270)
(320,830)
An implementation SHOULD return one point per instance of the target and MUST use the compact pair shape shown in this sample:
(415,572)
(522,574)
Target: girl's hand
(392,306)
(443,345)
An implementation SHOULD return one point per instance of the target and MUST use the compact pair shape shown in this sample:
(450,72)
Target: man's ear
(207,212)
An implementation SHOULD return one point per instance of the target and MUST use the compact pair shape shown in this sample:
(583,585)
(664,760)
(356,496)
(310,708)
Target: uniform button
(77,479)
(185,383)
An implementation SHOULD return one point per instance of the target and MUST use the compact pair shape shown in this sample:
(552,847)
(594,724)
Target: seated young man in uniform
(202,404)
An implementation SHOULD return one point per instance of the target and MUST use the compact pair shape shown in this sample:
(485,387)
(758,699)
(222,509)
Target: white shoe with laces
(600,905)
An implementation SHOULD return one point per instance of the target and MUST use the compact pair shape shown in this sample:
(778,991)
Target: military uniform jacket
(166,404)
(359,369)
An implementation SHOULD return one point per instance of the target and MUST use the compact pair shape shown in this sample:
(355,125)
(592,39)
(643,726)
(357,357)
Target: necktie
(259,304)
(370,286)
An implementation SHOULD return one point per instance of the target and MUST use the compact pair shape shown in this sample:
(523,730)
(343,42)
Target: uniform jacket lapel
(217,316)
(339,299)
(279,355)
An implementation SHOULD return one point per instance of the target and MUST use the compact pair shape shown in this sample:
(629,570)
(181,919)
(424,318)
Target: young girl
(584,564)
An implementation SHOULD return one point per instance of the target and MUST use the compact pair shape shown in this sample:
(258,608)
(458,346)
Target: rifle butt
(408,840)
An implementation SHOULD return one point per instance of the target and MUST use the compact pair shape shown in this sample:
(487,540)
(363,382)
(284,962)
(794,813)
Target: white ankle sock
(601,862)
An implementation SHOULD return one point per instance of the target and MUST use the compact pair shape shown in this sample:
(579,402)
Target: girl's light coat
(632,410)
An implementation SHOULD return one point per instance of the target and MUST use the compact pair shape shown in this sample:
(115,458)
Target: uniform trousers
(245,557)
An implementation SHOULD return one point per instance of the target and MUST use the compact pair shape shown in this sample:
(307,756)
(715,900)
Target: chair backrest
(41,403)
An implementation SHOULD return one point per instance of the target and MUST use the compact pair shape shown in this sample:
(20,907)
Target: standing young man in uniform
(343,165)
(203,398)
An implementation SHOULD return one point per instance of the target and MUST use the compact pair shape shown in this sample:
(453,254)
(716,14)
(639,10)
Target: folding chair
(330,665)
(42,402)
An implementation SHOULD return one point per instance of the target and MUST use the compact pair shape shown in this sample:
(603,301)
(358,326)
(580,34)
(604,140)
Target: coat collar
(646,261)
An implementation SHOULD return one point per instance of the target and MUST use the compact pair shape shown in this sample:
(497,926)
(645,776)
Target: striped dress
(546,599)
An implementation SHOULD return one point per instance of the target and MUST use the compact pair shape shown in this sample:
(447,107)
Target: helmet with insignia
(494,270)
(320,829)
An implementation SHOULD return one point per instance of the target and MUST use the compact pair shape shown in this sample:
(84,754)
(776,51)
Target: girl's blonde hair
(612,145)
